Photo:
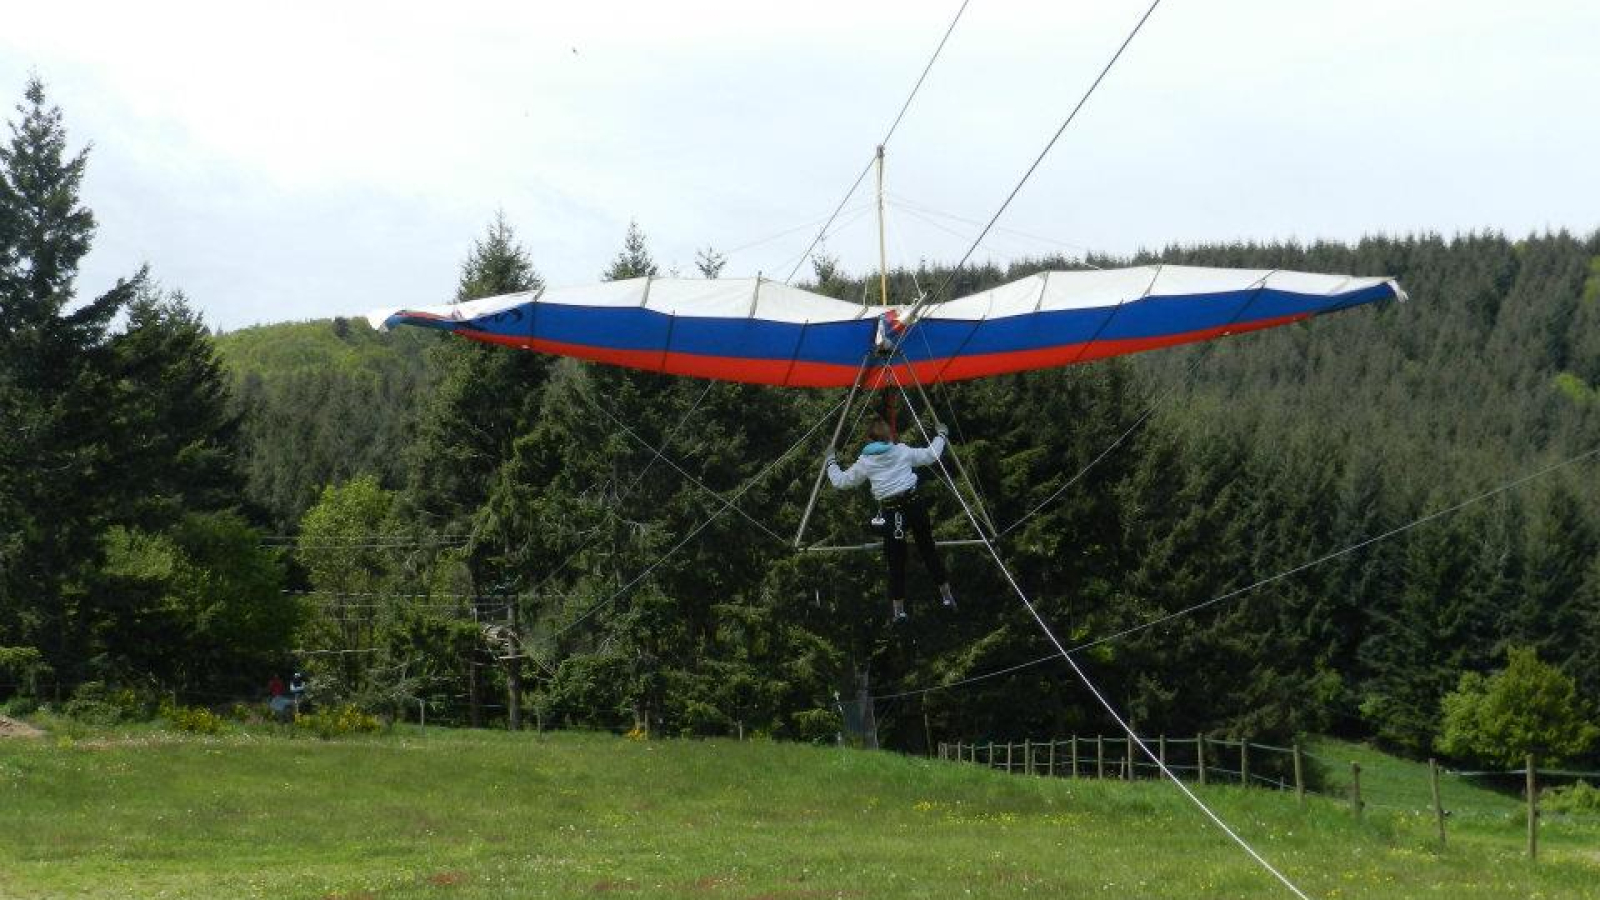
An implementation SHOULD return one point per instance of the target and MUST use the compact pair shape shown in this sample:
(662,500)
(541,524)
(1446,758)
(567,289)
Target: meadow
(141,812)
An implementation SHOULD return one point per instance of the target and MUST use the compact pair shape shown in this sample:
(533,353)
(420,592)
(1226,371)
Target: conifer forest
(1348,526)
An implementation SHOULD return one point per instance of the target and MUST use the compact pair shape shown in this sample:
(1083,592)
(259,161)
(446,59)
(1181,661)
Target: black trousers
(906,515)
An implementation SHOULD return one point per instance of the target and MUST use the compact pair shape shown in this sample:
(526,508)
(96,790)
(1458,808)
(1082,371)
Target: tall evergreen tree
(59,368)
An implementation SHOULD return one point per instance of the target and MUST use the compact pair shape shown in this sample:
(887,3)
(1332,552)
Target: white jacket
(888,468)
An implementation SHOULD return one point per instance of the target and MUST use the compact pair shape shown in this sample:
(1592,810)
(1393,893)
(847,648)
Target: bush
(332,723)
(193,719)
(1574,798)
(1527,707)
(93,703)
(19,706)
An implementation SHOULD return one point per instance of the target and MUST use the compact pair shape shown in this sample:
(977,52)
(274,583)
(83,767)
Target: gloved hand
(832,461)
(941,429)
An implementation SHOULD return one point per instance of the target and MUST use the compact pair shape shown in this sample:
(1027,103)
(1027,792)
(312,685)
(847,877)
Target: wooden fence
(1205,760)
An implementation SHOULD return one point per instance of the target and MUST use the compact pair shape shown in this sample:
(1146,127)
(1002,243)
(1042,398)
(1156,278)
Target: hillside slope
(479,815)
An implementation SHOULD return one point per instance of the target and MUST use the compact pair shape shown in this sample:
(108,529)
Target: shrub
(337,722)
(193,719)
(93,703)
(1574,798)
(19,706)
(1527,707)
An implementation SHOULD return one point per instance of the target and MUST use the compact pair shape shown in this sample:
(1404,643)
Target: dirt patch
(447,879)
(13,728)
(609,885)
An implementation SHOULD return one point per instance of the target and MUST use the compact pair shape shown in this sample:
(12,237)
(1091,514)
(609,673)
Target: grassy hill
(479,814)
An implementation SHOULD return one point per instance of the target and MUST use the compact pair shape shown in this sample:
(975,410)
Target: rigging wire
(885,142)
(626,492)
(979,499)
(928,214)
(706,523)
(1046,151)
(1084,677)
(1230,595)
(659,455)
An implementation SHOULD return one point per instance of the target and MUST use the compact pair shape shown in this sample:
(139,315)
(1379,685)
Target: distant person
(297,690)
(889,467)
(277,700)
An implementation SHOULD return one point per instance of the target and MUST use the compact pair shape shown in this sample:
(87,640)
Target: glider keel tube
(762,332)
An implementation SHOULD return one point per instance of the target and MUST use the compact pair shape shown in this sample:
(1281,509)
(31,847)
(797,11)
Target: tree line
(411,516)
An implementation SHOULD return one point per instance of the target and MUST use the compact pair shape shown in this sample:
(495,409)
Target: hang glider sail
(764,332)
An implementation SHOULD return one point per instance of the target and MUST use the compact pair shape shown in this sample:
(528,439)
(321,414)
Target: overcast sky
(299,160)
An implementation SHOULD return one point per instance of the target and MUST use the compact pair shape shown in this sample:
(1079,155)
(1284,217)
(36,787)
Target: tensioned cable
(679,469)
(955,421)
(883,143)
(928,214)
(786,232)
(626,492)
(1256,291)
(1043,153)
(1328,557)
(1084,677)
(743,489)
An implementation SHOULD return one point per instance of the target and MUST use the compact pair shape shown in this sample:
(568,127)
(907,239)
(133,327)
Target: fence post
(1355,788)
(1244,762)
(1130,755)
(1050,761)
(1438,808)
(1161,750)
(422,714)
(989,758)
(1100,756)
(1074,749)
(1200,756)
(1027,756)
(1299,777)
(1008,757)
(1533,812)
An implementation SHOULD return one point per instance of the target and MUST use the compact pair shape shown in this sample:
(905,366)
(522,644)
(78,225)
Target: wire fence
(1208,760)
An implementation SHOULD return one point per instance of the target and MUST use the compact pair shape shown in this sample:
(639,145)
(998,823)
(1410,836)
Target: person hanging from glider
(890,467)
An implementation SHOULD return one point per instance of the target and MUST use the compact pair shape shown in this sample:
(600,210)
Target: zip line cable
(1221,598)
(1084,677)
(883,143)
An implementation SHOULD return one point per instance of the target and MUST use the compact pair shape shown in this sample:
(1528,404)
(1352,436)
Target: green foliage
(192,719)
(94,703)
(199,606)
(339,721)
(634,261)
(1529,707)
(1579,799)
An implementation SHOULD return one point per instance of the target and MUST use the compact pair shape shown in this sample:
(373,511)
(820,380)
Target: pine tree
(60,375)
(634,260)
(709,262)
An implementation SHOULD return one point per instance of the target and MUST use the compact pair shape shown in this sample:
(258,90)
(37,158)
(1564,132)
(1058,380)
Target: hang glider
(763,332)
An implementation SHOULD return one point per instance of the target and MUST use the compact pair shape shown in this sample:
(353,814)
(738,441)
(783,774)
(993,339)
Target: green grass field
(455,814)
